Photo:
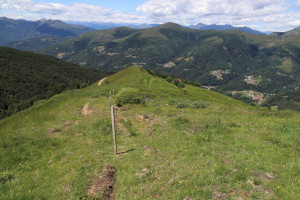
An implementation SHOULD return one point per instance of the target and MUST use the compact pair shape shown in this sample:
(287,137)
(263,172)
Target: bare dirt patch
(53,132)
(151,121)
(188,198)
(85,110)
(260,188)
(144,172)
(219,195)
(66,125)
(264,176)
(149,149)
(103,186)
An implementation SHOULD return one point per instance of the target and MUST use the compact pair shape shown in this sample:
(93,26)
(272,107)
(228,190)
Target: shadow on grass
(125,151)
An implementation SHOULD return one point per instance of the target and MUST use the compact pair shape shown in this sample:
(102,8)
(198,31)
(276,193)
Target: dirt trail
(101,81)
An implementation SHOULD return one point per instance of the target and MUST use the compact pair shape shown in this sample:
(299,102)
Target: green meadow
(173,143)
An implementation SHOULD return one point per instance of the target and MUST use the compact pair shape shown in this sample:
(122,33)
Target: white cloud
(267,13)
(277,15)
(193,9)
(75,12)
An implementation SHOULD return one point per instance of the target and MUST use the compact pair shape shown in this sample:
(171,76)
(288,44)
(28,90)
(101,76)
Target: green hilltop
(173,143)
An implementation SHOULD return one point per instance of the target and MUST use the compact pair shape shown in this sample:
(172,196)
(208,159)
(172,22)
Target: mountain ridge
(18,30)
(223,59)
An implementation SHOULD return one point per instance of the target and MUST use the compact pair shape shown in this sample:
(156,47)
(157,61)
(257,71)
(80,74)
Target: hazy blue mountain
(107,25)
(224,28)
(18,30)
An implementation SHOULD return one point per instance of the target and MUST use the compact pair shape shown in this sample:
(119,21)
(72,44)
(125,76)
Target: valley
(223,60)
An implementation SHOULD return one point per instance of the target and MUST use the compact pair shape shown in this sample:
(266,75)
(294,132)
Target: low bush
(5,176)
(169,79)
(199,104)
(196,84)
(130,99)
(183,105)
(132,96)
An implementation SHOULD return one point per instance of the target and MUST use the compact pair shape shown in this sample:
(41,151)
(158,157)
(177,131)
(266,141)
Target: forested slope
(26,77)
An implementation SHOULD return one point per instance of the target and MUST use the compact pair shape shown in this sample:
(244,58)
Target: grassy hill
(27,77)
(176,143)
(227,60)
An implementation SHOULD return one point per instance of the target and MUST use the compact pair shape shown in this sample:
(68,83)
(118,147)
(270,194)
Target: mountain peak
(170,25)
(43,20)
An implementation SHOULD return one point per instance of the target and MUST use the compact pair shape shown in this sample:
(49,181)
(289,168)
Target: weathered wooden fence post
(109,99)
(113,128)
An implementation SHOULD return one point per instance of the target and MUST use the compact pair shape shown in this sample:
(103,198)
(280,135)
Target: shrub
(169,79)
(130,99)
(182,105)
(200,104)
(5,176)
(131,96)
(197,84)
(175,82)
(181,85)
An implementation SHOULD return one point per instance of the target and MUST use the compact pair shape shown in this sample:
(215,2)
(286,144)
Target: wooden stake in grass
(113,128)
(109,99)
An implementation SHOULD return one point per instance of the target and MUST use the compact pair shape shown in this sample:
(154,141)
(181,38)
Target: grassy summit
(61,148)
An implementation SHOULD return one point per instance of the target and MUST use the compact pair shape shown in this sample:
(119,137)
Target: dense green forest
(27,77)
(284,101)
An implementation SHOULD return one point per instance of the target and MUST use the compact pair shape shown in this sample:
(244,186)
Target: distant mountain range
(229,60)
(107,25)
(32,35)
(232,61)
(45,30)
(101,26)
(225,27)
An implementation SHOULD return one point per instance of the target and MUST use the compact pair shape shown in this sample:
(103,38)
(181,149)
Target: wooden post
(113,128)
(109,99)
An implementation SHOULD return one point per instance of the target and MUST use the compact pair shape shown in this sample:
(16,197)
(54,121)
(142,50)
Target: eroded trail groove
(103,186)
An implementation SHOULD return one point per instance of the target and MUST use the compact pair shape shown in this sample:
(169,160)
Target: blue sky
(129,5)
(264,15)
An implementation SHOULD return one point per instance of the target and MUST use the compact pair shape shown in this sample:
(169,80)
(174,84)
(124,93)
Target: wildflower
(180,182)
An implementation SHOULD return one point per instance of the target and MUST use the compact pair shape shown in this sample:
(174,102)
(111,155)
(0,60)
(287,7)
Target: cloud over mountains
(275,15)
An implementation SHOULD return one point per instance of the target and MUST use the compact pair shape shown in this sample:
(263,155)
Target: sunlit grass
(224,150)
